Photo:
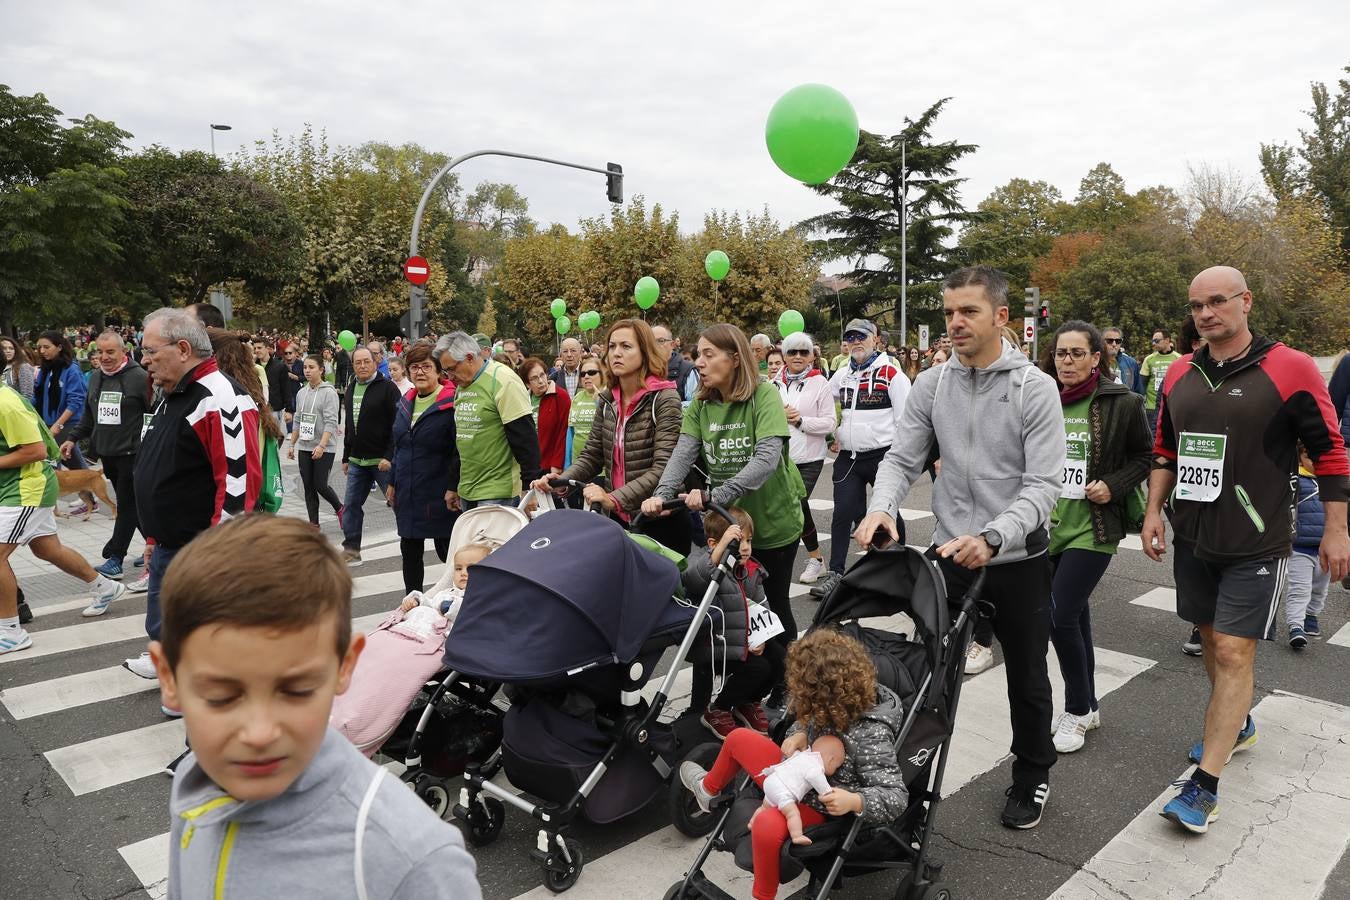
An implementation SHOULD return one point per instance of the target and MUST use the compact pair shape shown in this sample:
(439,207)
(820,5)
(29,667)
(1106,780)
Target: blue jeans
(358,489)
(160,557)
(467,505)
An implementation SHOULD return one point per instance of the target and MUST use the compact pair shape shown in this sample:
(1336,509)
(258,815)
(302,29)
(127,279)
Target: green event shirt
(358,394)
(729,432)
(580,419)
(1154,368)
(1071,520)
(34,483)
(496,397)
(422,404)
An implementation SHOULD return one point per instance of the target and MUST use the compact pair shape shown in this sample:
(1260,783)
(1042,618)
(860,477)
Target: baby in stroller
(423,612)
(833,690)
(788,782)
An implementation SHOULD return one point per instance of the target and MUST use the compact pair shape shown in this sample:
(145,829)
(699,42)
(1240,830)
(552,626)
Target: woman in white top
(810,413)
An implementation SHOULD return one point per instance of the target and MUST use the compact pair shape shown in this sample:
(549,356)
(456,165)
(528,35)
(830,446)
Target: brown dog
(88,483)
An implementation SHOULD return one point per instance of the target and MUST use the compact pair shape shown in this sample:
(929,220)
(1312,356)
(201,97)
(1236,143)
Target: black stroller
(572,616)
(925,672)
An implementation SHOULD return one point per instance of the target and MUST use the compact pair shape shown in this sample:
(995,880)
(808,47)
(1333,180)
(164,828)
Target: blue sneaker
(1297,638)
(111,568)
(1193,809)
(1246,739)
(1310,626)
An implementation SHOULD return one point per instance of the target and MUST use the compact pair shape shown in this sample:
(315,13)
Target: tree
(61,209)
(535,269)
(1014,226)
(1102,204)
(874,191)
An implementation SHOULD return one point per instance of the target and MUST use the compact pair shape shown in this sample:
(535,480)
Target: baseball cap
(862,325)
(483,340)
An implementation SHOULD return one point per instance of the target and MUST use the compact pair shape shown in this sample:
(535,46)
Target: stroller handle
(670,505)
(571,484)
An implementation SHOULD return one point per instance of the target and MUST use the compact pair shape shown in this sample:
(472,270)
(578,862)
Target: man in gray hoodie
(1000,430)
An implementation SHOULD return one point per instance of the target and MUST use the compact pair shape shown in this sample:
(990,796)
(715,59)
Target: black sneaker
(25,613)
(1193,646)
(1025,804)
(826,584)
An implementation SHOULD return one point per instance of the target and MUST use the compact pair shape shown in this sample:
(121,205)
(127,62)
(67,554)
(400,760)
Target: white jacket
(810,396)
(872,400)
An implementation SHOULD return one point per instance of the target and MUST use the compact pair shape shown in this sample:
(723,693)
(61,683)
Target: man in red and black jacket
(199,462)
(1230,418)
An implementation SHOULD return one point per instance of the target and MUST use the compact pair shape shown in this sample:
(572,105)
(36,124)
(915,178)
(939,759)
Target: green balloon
(812,133)
(717,265)
(563,324)
(646,292)
(346,340)
(589,320)
(558,308)
(790,322)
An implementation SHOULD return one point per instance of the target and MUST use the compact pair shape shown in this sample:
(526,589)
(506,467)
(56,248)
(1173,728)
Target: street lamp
(214,129)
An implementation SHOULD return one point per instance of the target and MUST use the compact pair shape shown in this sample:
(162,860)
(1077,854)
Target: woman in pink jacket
(810,413)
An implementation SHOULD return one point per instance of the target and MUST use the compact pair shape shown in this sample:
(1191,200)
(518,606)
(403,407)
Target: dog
(88,483)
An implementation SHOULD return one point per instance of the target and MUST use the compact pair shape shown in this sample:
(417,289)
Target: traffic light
(1033,301)
(1043,316)
(615,179)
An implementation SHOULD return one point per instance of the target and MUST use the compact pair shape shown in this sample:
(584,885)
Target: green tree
(874,191)
(1015,226)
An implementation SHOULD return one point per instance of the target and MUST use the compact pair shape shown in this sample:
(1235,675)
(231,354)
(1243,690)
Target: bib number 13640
(1200,466)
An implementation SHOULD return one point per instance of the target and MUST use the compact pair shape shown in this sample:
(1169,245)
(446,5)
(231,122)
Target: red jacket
(552,425)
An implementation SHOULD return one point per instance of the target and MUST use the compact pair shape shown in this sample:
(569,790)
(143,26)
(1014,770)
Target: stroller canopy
(568,592)
(889,581)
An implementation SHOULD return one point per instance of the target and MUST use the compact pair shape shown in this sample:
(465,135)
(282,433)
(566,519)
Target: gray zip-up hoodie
(1000,434)
(322,403)
(302,843)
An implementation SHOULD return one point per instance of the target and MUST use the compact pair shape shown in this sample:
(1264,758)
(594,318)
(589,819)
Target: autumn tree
(1014,227)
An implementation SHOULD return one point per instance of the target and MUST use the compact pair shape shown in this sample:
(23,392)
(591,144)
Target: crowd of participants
(1039,468)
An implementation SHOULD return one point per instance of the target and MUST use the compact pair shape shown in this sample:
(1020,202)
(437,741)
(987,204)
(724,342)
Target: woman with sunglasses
(1107,454)
(809,406)
(582,414)
(551,409)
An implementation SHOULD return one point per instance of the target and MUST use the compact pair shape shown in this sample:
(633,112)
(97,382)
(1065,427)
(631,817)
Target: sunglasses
(1114,340)
(854,337)
(798,352)
(589,373)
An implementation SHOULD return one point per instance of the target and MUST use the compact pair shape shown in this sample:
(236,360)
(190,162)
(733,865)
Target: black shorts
(1239,598)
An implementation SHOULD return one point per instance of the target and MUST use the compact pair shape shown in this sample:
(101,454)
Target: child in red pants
(832,686)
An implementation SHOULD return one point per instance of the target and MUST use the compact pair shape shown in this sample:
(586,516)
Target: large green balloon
(558,308)
(790,322)
(346,340)
(589,320)
(563,324)
(717,265)
(646,292)
(812,133)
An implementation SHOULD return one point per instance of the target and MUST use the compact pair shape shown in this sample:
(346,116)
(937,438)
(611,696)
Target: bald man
(568,375)
(1230,417)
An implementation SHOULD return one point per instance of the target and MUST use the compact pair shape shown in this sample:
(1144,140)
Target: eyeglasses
(1074,353)
(151,351)
(665,340)
(539,378)
(1114,340)
(589,373)
(422,367)
(1216,304)
(797,352)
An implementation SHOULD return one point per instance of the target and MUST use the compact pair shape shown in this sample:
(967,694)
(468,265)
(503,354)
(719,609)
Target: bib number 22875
(1200,466)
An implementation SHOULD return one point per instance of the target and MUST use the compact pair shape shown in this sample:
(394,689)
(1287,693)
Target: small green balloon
(717,265)
(646,291)
(347,340)
(589,320)
(812,133)
(558,308)
(563,324)
(790,322)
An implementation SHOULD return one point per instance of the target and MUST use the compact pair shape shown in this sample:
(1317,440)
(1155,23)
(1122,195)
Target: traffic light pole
(612,171)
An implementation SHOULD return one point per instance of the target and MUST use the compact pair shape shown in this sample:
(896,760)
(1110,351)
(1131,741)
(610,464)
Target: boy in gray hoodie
(999,426)
(272,801)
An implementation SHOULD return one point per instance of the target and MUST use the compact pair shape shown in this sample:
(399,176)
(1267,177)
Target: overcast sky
(678,92)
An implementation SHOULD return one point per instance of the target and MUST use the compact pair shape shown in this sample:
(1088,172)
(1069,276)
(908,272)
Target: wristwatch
(993,540)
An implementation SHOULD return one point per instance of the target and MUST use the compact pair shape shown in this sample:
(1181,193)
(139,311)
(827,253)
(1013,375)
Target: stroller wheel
(434,794)
(677,892)
(559,881)
(487,823)
(684,812)
(930,892)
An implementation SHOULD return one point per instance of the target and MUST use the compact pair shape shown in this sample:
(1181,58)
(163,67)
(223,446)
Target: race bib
(307,422)
(109,408)
(145,424)
(1200,466)
(1075,470)
(763,625)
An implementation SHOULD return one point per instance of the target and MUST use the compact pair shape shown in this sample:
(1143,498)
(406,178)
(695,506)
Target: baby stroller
(581,615)
(447,722)
(925,672)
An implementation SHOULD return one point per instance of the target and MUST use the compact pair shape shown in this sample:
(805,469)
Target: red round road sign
(417,270)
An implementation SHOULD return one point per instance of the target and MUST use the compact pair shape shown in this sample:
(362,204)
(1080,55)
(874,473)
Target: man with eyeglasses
(1123,366)
(568,375)
(871,390)
(678,369)
(367,445)
(1231,418)
(1154,370)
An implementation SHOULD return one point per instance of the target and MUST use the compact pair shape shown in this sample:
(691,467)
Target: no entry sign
(417,270)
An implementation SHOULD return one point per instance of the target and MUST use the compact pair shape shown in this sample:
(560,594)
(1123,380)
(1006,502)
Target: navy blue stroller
(572,616)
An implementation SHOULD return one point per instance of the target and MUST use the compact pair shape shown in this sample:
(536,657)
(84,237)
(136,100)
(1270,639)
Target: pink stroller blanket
(392,669)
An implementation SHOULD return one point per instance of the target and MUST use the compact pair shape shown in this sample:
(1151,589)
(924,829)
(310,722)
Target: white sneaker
(140,585)
(1071,731)
(105,592)
(978,658)
(13,637)
(1094,720)
(814,566)
(141,665)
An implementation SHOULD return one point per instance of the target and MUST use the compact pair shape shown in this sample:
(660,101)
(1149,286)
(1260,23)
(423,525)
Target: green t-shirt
(535,400)
(729,432)
(580,419)
(34,483)
(358,394)
(487,468)
(1071,519)
(1154,369)
(422,404)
